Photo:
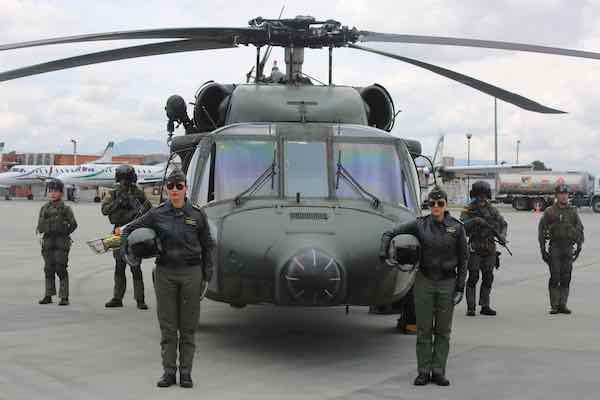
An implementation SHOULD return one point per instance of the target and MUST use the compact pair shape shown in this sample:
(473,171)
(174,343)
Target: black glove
(576,253)
(545,255)
(458,296)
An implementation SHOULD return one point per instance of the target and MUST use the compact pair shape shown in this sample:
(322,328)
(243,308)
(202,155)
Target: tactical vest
(482,240)
(55,220)
(562,225)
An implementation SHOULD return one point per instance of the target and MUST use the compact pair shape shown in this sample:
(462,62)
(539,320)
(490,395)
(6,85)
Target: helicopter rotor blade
(476,84)
(369,36)
(225,35)
(178,46)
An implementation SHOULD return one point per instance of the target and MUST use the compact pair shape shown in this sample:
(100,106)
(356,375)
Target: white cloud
(126,99)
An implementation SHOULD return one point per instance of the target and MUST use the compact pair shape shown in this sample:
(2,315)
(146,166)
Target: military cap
(561,188)
(437,193)
(176,175)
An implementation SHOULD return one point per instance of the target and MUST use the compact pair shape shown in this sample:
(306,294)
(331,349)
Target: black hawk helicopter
(298,179)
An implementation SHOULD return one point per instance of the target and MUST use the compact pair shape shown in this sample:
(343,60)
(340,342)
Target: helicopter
(298,178)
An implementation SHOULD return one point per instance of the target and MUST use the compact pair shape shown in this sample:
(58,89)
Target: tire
(596,204)
(521,204)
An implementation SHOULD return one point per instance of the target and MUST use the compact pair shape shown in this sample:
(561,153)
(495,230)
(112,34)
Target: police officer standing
(562,228)
(123,205)
(181,268)
(484,225)
(439,283)
(56,222)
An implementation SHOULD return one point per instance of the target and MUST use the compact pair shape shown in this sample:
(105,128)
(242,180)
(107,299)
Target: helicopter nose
(313,277)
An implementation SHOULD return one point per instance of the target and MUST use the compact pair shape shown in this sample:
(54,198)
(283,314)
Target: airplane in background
(19,175)
(96,175)
(472,171)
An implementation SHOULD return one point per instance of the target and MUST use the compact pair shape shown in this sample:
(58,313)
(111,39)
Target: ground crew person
(484,225)
(56,222)
(182,270)
(562,228)
(123,205)
(439,283)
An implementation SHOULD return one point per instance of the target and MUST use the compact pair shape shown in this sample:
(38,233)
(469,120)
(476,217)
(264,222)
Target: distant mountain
(141,146)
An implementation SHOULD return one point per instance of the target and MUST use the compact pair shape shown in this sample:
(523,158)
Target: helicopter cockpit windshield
(287,160)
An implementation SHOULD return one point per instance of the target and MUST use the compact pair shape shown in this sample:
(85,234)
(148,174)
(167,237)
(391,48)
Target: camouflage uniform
(562,227)
(478,218)
(56,222)
(122,206)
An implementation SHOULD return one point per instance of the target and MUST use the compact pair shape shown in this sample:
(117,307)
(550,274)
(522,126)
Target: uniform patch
(451,229)
(190,221)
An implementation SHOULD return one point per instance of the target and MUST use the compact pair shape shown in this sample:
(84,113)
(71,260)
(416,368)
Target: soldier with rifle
(123,205)
(485,227)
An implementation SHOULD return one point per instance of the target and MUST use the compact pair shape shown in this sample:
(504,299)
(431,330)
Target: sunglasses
(171,186)
(437,203)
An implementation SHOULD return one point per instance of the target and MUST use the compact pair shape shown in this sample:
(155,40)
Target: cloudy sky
(125,99)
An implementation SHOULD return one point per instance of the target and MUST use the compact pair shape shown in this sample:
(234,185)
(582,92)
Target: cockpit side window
(237,165)
(377,168)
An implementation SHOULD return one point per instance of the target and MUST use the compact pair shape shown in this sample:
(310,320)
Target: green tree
(539,166)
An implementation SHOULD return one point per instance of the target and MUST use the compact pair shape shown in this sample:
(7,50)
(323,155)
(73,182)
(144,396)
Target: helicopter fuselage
(297,211)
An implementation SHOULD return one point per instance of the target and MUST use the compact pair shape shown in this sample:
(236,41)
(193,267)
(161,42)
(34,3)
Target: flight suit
(122,206)
(442,273)
(562,227)
(482,249)
(56,222)
(185,262)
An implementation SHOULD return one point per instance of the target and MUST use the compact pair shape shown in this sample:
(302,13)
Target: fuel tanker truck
(535,189)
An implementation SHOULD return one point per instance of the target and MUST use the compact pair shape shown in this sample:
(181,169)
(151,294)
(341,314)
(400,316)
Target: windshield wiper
(270,172)
(343,173)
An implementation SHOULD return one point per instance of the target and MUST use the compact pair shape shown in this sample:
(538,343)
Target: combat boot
(486,310)
(422,379)
(142,305)
(185,380)
(564,310)
(554,310)
(114,303)
(166,380)
(440,380)
(64,301)
(470,313)
(45,300)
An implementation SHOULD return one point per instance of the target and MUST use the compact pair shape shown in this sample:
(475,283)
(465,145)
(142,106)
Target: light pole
(469,136)
(518,143)
(74,151)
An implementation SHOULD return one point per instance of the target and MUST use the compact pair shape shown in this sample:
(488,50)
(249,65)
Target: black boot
(166,380)
(422,379)
(45,300)
(185,380)
(554,311)
(564,310)
(470,313)
(114,303)
(142,305)
(440,380)
(486,310)
(64,301)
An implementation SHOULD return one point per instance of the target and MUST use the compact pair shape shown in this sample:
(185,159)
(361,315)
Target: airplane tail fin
(106,157)
(1,147)
(439,152)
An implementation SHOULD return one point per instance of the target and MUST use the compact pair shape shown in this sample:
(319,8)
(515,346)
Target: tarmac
(85,351)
